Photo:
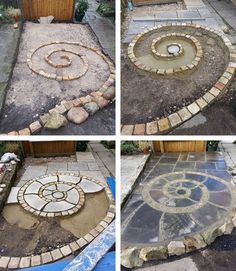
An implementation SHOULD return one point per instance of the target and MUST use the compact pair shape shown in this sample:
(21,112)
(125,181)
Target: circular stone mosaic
(59,194)
(200,198)
(176,205)
(56,194)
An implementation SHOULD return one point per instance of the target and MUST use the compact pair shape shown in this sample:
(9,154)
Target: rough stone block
(163,125)
(151,128)
(35,127)
(193,108)
(174,119)
(184,114)
(139,129)
(176,248)
(127,129)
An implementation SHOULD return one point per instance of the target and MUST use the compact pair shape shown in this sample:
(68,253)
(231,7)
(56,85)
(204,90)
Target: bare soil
(22,234)
(146,97)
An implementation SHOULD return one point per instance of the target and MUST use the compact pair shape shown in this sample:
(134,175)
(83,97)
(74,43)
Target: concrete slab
(12,198)
(131,167)
(32,172)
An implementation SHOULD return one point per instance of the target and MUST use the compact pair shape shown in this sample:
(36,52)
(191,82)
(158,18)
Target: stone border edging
(136,256)
(63,251)
(102,97)
(165,125)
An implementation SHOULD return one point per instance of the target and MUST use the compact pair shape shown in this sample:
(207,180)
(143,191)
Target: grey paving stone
(35,201)
(32,188)
(95,174)
(48,179)
(59,206)
(78,166)
(136,27)
(70,179)
(12,198)
(33,172)
(166,15)
(90,187)
(188,14)
(93,166)
(84,156)
(204,12)
(55,166)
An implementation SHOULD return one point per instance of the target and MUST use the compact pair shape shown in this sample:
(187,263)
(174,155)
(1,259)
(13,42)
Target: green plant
(14,13)
(82,6)
(106,9)
(12,147)
(81,146)
(212,145)
(4,17)
(109,144)
(128,147)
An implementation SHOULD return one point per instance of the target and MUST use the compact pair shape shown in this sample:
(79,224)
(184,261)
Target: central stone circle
(182,51)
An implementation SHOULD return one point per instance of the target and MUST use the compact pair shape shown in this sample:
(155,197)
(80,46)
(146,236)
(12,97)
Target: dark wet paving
(177,194)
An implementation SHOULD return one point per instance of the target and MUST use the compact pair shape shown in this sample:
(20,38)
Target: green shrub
(82,6)
(107,9)
(212,145)
(4,16)
(128,147)
(109,144)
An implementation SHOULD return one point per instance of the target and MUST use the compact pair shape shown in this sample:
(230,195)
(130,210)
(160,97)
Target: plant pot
(146,151)
(79,16)
(81,146)
(17,18)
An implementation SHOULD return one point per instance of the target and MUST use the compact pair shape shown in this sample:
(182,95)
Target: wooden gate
(179,146)
(49,148)
(61,10)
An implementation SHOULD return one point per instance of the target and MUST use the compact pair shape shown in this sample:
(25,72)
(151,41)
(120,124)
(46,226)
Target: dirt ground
(31,95)
(25,234)
(156,97)
(218,119)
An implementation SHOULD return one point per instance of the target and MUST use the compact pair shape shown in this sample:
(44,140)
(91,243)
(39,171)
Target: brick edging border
(164,125)
(102,97)
(63,251)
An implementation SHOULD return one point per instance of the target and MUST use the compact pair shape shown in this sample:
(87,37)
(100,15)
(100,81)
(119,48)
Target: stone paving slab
(84,156)
(168,215)
(104,30)
(105,159)
(131,167)
(33,172)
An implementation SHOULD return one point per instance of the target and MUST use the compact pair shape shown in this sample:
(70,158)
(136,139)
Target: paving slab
(105,159)
(131,167)
(32,172)
(169,203)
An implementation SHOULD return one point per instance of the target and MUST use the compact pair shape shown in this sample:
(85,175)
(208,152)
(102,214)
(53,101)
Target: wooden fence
(61,10)
(49,148)
(179,146)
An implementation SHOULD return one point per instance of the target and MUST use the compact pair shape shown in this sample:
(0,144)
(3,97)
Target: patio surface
(58,196)
(178,195)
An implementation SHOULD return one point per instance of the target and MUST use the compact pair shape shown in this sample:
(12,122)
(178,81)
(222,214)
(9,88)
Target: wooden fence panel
(61,10)
(179,146)
(49,148)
